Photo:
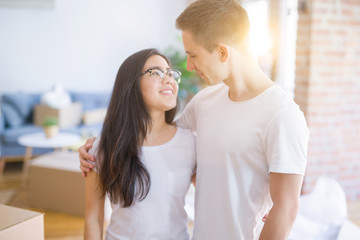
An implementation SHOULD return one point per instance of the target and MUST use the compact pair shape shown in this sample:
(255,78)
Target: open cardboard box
(17,223)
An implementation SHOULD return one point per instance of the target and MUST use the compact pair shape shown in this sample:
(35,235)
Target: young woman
(143,162)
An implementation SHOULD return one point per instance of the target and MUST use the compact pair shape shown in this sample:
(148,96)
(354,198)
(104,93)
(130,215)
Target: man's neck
(246,80)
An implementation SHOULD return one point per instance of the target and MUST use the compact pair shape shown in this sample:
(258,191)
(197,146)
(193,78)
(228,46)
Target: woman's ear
(224,53)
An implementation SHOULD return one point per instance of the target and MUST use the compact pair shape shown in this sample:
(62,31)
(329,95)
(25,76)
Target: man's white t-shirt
(237,145)
(161,215)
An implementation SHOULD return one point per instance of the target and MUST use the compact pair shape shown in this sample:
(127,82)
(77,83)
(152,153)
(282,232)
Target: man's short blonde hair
(215,21)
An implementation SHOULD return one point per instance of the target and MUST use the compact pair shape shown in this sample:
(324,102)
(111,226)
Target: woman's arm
(94,208)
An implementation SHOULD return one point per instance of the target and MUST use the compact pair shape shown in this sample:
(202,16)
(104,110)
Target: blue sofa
(16,119)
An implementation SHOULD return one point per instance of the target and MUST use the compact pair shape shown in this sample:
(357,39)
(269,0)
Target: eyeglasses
(174,74)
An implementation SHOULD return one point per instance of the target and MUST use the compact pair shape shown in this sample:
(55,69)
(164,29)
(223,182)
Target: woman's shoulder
(93,150)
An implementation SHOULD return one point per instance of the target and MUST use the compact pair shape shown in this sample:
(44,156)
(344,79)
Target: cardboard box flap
(11,216)
(68,161)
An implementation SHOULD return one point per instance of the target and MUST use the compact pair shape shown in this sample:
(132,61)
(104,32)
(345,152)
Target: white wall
(80,43)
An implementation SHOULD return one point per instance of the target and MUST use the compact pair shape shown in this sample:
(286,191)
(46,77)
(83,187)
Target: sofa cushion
(12,117)
(23,104)
(2,120)
(11,135)
(91,101)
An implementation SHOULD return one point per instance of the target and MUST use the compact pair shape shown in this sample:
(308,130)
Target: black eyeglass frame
(167,72)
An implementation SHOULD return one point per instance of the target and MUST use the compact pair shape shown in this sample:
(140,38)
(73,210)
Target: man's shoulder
(282,109)
(279,98)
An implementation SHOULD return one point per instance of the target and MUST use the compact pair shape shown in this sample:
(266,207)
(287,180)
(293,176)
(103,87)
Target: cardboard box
(16,223)
(56,183)
(68,116)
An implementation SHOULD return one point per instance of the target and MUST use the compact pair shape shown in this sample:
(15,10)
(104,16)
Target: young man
(251,139)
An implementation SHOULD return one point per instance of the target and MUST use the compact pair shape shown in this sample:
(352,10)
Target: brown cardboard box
(68,116)
(56,183)
(17,223)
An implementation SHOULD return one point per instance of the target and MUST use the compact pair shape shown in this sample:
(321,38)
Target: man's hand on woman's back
(84,156)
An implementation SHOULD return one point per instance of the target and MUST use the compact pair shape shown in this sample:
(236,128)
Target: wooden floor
(60,226)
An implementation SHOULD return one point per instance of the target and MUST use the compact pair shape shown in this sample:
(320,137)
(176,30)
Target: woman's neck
(159,132)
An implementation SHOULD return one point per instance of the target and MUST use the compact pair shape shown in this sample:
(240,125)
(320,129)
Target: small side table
(39,140)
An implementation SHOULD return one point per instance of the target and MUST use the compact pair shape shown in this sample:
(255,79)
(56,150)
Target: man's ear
(224,52)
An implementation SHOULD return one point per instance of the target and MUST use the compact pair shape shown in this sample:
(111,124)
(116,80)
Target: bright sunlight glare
(259,29)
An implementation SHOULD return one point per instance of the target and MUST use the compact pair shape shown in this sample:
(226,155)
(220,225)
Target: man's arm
(285,193)
(84,155)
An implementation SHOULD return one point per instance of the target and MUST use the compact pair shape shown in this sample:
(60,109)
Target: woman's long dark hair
(122,173)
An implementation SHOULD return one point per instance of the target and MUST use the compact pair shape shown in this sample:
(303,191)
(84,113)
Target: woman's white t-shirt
(161,215)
